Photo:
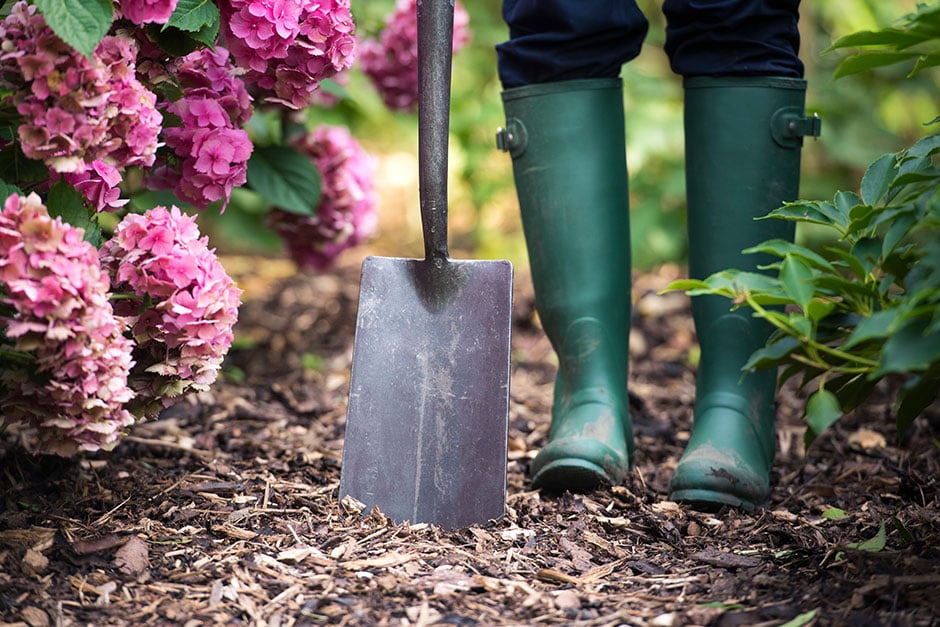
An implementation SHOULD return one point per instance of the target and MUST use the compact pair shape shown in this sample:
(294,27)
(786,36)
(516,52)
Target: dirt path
(225,511)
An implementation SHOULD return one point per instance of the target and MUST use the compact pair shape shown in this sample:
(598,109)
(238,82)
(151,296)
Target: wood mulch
(225,510)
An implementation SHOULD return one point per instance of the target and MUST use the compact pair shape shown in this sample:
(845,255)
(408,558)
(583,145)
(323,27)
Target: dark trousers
(556,40)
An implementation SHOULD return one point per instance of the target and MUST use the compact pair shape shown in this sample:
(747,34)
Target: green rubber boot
(566,140)
(743,140)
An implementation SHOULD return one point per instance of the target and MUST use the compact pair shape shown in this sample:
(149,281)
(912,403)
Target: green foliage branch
(866,309)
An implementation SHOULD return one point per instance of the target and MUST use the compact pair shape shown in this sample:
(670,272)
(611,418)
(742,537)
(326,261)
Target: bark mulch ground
(225,510)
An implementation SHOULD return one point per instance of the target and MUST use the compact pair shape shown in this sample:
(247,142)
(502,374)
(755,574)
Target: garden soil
(225,511)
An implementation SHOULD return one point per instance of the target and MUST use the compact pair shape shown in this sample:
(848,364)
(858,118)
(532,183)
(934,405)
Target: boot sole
(575,475)
(709,500)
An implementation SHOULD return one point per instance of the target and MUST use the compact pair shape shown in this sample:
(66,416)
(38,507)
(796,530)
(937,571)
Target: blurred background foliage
(864,116)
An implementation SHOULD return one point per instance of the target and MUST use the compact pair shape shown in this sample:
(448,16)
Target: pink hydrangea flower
(75,110)
(148,11)
(211,155)
(72,394)
(98,183)
(206,156)
(347,213)
(391,63)
(289,46)
(192,304)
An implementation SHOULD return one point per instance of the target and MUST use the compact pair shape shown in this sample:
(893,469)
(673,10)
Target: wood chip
(387,560)
(723,559)
(554,576)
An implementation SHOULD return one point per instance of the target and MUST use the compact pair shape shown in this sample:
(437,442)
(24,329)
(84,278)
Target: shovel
(426,425)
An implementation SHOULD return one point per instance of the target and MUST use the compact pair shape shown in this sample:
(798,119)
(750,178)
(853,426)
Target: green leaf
(903,531)
(804,211)
(773,354)
(872,545)
(886,37)
(925,147)
(924,61)
(194,15)
(797,279)
(178,42)
(876,326)
(898,230)
(81,24)
(781,248)
(834,513)
(819,308)
(878,177)
(18,168)
(7,190)
(683,285)
(910,350)
(802,619)
(286,178)
(915,396)
(868,251)
(822,410)
(851,390)
(870,60)
(66,202)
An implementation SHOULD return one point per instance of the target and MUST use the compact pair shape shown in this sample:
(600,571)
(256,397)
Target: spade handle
(435,49)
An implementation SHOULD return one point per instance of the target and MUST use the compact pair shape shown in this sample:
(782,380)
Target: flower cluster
(147,11)
(289,46)
(98,183)
(71,383)
(347,212)
(76,110)
(184,307)
(391,63)
(207,154)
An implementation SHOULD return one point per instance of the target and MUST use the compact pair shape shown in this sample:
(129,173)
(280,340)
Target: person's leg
(565,133)
(560,40)
(744,123)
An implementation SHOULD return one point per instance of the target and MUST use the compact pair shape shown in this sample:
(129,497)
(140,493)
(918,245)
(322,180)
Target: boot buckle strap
(512,138)
(790,125)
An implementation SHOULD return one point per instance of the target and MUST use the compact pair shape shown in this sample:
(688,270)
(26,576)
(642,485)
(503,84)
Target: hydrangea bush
(391,61)
(66,359)
(111,107)
(345,216)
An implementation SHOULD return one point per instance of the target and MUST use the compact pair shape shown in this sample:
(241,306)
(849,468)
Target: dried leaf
(97,545)
(867,439)
(132,559)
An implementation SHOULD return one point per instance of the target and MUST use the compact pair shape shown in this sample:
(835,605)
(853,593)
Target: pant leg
(733,37)
(556,40)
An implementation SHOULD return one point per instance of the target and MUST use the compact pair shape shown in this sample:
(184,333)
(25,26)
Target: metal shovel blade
(426,428)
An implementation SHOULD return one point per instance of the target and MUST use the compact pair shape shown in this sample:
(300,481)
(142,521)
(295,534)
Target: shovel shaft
(435,49)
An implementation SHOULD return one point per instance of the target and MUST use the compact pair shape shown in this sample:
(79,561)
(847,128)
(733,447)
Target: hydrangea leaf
(81,24)
(195,15)
(15,166)
(68,203)
(286,178)
(7,190)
